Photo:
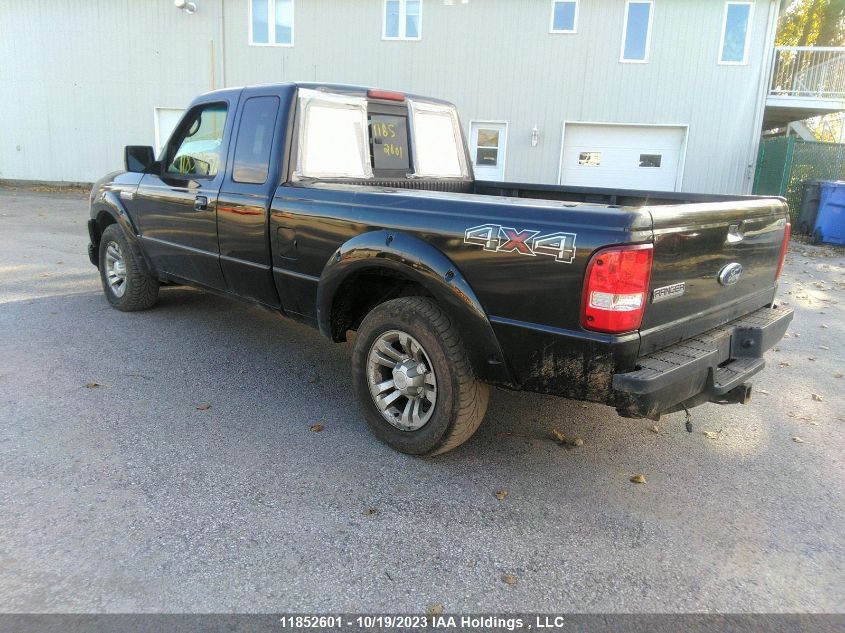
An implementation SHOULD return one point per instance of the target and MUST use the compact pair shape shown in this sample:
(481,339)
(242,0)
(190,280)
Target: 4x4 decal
(505,239)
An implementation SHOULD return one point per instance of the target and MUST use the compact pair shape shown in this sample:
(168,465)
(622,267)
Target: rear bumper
(712,367)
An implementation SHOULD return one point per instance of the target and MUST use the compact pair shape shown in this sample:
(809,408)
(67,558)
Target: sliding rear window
(390,151)
(342,136)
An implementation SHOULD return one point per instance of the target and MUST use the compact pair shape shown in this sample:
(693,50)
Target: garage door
(622,156)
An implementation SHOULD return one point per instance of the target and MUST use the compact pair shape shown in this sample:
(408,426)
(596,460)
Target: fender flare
(425,264)
(107,202)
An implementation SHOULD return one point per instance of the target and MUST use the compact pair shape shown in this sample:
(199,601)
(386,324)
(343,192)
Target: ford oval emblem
(730,274)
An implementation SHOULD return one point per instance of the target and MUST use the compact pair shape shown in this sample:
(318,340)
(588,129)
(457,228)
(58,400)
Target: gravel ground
(128,497)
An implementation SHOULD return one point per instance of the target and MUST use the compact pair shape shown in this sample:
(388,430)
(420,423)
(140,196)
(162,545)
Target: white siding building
(663,94)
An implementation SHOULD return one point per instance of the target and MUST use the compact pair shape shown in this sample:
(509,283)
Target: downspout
(222,23)
(762,92)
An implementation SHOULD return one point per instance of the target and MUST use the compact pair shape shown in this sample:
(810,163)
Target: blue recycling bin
(830,221)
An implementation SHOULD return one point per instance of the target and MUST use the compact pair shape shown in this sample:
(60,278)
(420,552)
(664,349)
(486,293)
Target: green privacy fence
(784,163)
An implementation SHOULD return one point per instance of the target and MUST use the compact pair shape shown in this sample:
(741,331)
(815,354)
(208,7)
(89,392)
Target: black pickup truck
(355,210)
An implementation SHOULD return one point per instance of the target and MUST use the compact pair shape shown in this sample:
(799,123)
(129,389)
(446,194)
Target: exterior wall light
(535,135)
(188,7)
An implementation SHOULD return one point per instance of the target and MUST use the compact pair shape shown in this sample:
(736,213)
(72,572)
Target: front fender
(107,202)
(425,264)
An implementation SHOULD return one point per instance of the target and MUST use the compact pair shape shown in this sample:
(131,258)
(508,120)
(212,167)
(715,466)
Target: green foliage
(812,23)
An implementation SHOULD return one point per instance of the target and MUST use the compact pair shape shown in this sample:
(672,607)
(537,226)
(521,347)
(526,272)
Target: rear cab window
(347,137)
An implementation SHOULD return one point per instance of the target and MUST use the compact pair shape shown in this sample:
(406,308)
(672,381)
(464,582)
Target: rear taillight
(787,231)
(616,288)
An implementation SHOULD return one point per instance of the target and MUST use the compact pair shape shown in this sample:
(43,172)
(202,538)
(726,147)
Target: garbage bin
(830,220)
(809,207)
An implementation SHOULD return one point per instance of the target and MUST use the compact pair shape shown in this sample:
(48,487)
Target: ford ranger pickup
(355,210)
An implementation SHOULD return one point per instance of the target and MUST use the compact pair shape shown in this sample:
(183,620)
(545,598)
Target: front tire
(413,380)
(127,284)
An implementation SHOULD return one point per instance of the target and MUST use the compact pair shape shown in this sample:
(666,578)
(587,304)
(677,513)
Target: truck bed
(610,197)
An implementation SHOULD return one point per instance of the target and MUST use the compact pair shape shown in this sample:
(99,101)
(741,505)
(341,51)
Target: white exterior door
(166,120)
(488,141)
(622,156)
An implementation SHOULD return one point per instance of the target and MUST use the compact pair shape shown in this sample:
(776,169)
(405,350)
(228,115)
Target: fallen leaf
(655,429)
(316,428)
(370,512)
(558,436)
(638,479)
(501,495)
(578,442)
(203,407)
(509,579)
(435,608)
(812,358)
(93,385)
(817,397)
(797,440)
(783,364)
(711,435)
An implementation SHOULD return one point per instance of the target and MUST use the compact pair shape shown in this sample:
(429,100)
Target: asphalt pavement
(165,461)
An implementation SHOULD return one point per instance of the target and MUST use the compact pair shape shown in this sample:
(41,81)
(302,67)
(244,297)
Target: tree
(812,23)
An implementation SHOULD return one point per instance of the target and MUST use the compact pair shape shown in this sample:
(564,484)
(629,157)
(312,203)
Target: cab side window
(195,149)
(255,140)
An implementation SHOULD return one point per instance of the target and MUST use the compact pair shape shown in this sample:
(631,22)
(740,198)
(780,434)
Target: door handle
(200,203)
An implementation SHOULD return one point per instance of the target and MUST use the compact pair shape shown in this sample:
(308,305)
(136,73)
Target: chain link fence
(784,163)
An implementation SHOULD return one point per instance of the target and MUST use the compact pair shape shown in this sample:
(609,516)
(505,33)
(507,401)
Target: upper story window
(271,22)
(564,16)
(402,20)
(736,31)
(636,36)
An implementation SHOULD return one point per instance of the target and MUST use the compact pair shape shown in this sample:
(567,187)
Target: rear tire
(127,283)
(425,343)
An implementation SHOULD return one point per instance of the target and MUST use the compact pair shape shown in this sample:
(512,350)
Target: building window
(488,143)
(651,160)
(636,36)
(589,158)
(402,20)
(736,29)
(271,22)
(564,16)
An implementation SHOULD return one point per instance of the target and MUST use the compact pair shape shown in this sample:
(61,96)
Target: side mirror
(138,158)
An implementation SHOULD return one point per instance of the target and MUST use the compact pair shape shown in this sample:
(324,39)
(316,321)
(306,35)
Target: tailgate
(713,262)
